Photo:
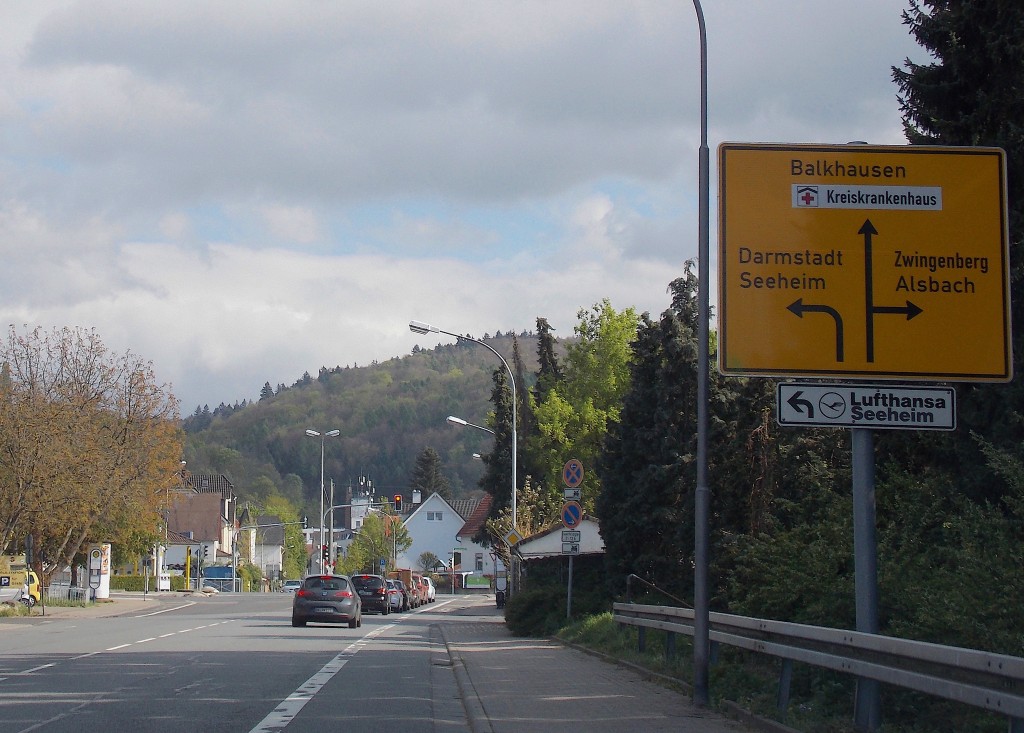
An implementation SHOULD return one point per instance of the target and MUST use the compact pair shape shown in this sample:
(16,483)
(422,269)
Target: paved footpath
(512,685)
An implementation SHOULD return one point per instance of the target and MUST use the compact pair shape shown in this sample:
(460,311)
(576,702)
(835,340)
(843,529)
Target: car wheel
(296,621)
(353,623)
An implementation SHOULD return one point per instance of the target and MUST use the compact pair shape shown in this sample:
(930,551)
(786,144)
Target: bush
(535,611)
(137,583)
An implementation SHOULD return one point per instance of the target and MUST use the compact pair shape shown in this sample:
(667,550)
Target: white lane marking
(166,610)
(285,712)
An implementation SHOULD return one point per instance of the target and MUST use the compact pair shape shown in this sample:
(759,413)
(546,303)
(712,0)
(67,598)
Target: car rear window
(327,583)
(367,582)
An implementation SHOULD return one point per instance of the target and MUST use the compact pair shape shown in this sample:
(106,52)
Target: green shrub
(137,583)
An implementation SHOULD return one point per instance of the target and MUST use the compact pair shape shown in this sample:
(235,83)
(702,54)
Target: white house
(549,542)
(436,526)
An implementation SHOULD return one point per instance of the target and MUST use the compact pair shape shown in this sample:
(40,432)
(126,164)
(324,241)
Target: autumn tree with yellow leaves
(89,445)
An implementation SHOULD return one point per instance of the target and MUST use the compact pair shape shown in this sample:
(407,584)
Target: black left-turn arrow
(798,309)
(796,403)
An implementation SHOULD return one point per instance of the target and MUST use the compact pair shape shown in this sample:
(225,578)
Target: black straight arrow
(798,309)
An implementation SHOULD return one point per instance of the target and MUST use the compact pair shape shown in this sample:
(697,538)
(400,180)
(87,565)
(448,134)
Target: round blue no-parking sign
(572,514)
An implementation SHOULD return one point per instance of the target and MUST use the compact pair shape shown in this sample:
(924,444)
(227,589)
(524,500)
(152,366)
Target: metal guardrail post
(670,645)
(641,639)
(785,683)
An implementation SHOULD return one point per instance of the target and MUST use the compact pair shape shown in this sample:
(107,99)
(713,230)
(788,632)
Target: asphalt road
(227,663)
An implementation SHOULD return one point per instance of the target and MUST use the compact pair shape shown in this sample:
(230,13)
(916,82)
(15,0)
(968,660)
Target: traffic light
(206,552)
(325,553)
(398,502)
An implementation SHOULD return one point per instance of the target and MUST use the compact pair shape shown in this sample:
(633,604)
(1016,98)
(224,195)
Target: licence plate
(324,610)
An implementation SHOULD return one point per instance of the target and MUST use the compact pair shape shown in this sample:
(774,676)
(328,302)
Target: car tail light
(301,592)
(343,594)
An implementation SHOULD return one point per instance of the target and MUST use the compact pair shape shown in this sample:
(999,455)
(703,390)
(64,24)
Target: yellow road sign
(885,262)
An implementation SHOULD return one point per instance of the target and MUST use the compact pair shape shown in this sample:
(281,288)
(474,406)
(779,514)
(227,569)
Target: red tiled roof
(476,520)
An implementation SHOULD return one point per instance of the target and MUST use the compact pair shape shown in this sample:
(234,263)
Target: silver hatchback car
(327,599)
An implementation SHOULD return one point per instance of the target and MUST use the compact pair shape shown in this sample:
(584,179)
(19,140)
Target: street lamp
(424,328)
(459,421)
(322,436)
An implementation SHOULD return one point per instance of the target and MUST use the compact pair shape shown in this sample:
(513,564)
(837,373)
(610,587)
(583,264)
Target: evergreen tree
(549,373)
(971,95)
(267,392)
(498,463)
(427,476)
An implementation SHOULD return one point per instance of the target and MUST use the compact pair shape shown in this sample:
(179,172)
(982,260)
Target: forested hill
(387,414)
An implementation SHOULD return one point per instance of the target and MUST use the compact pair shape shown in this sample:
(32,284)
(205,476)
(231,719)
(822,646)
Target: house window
(479,562)
(433,516)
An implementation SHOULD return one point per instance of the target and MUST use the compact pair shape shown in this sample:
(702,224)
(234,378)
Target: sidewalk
(119,604)
(511,685)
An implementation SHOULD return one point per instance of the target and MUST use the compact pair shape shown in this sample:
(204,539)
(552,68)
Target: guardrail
(985,680)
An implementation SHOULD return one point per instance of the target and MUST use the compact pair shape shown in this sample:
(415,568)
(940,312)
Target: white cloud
(242,193)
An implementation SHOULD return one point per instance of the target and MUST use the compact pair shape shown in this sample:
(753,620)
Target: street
(225,663)
(234,663)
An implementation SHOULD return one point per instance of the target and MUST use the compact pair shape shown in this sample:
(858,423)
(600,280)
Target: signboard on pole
(887,262)
(572,473)
(572,514)
(897,407)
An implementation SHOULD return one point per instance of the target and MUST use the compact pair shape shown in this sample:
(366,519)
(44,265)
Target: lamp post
(424,328)
(322,436)
(702,493)
(459,421)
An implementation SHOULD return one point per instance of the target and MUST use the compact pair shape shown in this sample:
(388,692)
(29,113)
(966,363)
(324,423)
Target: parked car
(406,595)
(396,598)
(290,586)
(421,589)
(327,599)
(372,592)
(431,590)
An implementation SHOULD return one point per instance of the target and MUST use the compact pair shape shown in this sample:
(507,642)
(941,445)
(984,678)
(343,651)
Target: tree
(498,463)
(382,535)
(89,443)
(267,392)
(427,562)
(549,373)
(970,95)
(573,418)
(427,476)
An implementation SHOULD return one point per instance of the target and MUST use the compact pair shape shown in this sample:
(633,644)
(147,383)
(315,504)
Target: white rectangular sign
(573,494)
(888,407)
(570,548)
(571,535)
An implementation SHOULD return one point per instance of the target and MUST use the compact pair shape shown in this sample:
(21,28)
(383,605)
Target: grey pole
(702,498)
(867,715)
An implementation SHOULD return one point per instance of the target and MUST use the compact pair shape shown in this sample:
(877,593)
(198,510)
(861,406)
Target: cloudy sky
(244,191)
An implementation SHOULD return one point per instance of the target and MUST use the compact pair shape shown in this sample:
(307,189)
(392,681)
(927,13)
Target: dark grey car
(373,592)
(327,599)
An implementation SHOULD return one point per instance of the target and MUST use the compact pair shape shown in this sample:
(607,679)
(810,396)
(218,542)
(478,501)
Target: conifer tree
(427,476)
(970,94)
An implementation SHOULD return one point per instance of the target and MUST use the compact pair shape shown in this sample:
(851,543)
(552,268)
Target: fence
(986,680)
(65,592)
